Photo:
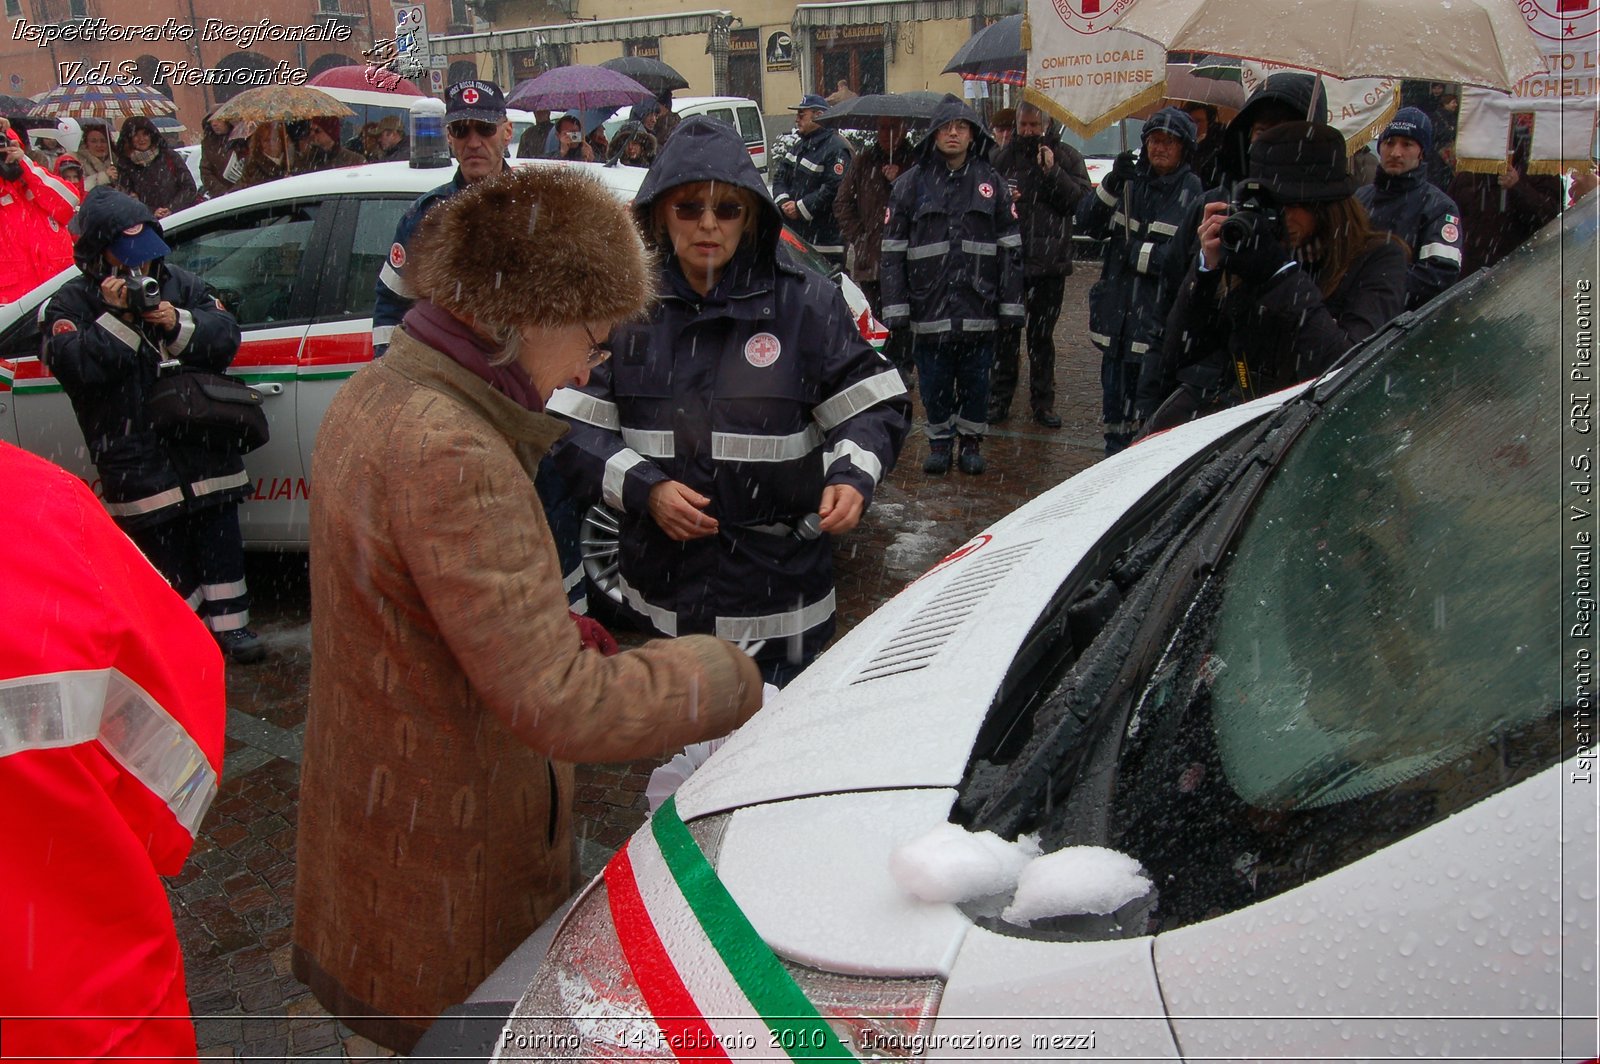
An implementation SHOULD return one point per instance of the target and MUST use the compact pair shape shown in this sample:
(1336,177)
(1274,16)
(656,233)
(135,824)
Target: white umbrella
(1474,42)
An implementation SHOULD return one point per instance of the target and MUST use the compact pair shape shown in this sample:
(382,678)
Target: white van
(738,111)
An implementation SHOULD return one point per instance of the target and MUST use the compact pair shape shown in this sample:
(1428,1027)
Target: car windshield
(1373,650)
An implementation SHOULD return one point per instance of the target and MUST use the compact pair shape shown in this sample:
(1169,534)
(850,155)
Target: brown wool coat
(435,828)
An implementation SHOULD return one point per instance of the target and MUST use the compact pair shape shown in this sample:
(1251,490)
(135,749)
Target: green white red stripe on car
(712,984)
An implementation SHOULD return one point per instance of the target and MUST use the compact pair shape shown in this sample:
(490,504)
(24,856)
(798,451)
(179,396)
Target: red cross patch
(986,190)
(887,212)
(762,350)
(62,326)
(838,168)
(397,255)
(469,96)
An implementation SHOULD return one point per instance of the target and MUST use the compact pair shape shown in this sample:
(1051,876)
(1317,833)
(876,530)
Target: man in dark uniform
(178,500)
(805,188)
(1403,201)
(952,271)
(1047,180)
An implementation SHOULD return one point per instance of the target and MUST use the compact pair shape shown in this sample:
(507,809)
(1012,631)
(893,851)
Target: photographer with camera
(1291,274)
(109,336)
(1137,211)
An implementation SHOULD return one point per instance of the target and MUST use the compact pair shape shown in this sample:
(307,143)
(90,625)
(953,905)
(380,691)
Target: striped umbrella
(113,102)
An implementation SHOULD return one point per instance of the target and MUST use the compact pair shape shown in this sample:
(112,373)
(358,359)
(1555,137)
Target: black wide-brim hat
(1302,162)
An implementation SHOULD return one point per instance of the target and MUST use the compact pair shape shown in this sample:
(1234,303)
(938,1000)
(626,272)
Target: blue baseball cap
(811,102)
(138,245)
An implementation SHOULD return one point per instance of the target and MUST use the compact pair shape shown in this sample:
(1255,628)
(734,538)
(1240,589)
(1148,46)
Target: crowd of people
(669,358)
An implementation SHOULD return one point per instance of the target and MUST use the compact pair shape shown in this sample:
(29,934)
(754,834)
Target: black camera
(1252,210)
(144,293)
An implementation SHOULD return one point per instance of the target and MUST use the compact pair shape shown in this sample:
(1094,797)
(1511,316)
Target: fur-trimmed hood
(545,245)
(704,149)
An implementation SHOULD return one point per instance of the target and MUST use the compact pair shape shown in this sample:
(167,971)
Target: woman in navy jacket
(741,427)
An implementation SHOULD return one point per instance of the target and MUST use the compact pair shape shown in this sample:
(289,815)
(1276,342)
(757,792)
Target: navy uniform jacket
(758,397)
(812,180)
(1143,261)
(1414,210)
(106,362)
(393,295)
(952,246)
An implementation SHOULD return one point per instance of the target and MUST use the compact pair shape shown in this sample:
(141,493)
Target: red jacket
(34,212)
(111,724)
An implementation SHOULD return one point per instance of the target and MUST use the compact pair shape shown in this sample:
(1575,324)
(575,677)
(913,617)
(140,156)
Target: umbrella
(15,106)
(993,53)
(863,112)
(578,88)
(168,124)
(365,79)
(113,102)
(281,103)
(1206,84)
(653,74)
(1474,42)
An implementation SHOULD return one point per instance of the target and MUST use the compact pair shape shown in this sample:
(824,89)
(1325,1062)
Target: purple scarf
(431,324)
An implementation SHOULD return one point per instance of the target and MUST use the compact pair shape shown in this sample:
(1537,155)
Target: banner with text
(1085,74)
(1552,113)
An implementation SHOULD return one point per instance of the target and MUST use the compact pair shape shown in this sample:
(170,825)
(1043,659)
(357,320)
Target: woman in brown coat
(449,688)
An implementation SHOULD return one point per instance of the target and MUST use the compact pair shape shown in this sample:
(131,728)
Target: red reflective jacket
(34,212)
(111,724)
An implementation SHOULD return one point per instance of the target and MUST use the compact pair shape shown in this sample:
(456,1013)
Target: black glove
(1121,172)
(1252,250)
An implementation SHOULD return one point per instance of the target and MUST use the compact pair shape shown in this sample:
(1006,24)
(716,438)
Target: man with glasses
(475,122)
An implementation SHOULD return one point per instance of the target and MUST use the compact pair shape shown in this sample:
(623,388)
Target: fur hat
(1302,162)
(538,245)
(1005,118)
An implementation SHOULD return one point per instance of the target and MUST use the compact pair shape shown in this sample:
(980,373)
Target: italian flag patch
(714,987)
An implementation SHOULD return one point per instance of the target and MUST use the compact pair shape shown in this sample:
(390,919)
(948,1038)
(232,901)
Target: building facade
(769,51)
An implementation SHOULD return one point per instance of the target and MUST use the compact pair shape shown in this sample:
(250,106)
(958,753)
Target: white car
(296,261)
(1314,675)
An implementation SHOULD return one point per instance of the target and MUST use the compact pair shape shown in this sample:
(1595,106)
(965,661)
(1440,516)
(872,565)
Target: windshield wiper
(1157,577)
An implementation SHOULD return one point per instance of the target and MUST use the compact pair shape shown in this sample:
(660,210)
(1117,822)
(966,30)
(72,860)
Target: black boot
(971,462)
(938,462)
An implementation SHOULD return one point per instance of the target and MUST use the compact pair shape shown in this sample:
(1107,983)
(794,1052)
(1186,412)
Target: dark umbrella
(653,74)
(994,51)
(863,112)
(14,106)
(578,88)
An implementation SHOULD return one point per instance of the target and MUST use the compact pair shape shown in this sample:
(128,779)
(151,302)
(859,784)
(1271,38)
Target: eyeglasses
(462,128)
(691,211)
(599,350)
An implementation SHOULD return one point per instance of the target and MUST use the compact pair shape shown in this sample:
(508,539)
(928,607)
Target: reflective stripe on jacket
(111,731)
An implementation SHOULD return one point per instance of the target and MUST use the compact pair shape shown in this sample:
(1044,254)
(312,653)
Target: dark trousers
(954,368)
(1119,388)
(898,348)
(201,554)
(1041,297)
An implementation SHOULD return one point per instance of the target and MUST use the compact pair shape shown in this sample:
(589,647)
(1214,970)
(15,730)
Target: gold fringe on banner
(1089,127)
(1551,167)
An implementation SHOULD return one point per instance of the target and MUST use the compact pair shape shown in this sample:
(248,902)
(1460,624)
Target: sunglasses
(599,350)
(462,128)
(692,210)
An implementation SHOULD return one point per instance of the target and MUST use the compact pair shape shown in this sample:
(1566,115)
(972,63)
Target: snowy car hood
(898,701)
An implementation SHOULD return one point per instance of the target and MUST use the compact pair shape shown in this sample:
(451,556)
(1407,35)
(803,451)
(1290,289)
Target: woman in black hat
(1291,274)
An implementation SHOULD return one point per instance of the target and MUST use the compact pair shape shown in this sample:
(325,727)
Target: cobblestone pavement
(233,901)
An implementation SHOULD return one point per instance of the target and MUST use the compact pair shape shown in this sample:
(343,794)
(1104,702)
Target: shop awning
(611,29)
(867,12)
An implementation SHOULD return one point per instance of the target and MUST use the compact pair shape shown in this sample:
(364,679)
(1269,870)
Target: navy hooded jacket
(106,361)
(757,395)
(1143,263)
(952,245)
